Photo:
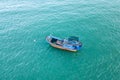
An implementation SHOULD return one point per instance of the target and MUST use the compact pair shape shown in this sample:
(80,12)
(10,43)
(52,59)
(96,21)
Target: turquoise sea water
(25,55)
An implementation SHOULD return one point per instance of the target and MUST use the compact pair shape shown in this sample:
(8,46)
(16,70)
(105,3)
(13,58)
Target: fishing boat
(72,43)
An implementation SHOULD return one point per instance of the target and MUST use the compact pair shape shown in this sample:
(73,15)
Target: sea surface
(25,54)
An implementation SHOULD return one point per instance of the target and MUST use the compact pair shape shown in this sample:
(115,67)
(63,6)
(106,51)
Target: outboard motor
(78,46)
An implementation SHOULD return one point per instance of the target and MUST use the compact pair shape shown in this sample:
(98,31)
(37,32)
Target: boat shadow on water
(72,44)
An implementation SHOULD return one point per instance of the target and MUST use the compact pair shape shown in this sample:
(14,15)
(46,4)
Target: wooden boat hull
(59,47)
